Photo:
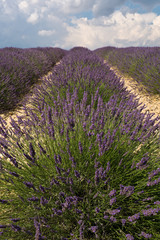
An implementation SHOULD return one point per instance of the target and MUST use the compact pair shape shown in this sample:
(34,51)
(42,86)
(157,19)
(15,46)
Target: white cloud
(70,6)
(148,4)
(156,21)
(33,18)
(118,30)
(46,32)
(23,6)
(36,22)
(106,7)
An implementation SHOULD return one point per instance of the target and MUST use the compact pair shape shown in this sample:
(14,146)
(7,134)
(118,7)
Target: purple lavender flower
(37,226)
(15,219)
(112,193)
(81,230)
(157,203)
(153,173)
(147,199)
(62,130)
(94,228)
(80,222)
(59,160)
(134,217)
(150,211)
(113,212)
(78,211)
(42,149)
(145,235)
(155,182)
(43,201)
(80,147)
(31,149)
(28,157)
(113,219)
(67,136)
(97,210)
(54,181)
(3,226)
(3,201)
(77,174)
(112,200)
(143,162)
(126,190)
(42,189)
(16,228)
(14,174)
(129,237)
(108,166)
(62,194)
(58,170)
(96,177)
(29,185)
(33,199)
(50,115)
(123,221)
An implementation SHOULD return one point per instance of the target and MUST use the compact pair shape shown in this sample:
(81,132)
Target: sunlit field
(85,164)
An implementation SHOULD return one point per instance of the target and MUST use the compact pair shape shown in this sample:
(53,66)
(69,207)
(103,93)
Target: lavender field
(85,164)
(141,63)
(20,69)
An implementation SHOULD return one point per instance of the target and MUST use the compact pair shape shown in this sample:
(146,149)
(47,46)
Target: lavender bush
(21,68)
(141,63)
(84,165)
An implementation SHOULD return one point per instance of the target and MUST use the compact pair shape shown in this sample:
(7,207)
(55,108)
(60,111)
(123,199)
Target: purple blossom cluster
(20,69)
(73,171)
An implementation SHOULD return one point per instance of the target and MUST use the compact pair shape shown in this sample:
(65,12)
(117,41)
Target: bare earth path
(152,102)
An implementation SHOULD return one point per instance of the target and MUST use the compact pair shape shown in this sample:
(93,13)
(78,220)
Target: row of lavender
(141,63)
(20,69)
(85,164)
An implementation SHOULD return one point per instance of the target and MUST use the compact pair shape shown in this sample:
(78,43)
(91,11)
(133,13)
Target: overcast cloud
(88,23)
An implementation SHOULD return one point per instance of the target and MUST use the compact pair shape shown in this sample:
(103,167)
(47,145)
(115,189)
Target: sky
(87,23)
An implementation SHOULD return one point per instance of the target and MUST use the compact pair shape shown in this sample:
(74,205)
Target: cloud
(23,6)
(106,7)
(119,30)
(33,18)
(70,6)
(148,4)
(65,23)
(46,32)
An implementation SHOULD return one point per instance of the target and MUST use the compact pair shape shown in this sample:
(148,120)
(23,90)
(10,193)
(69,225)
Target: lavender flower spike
(145,235)
(129,237)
